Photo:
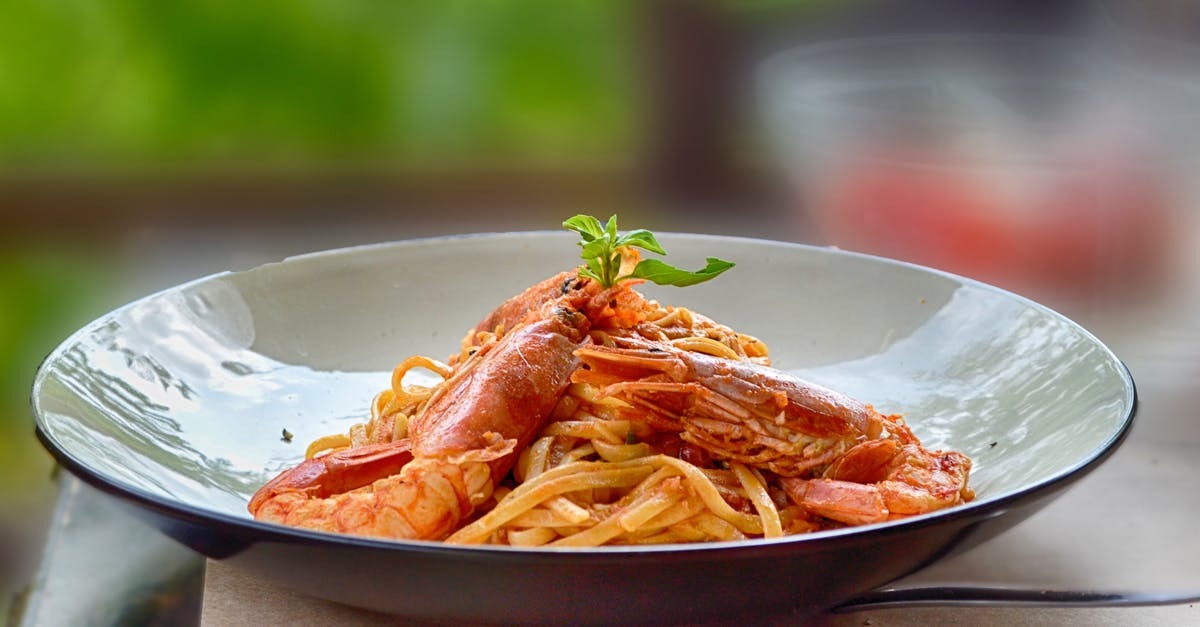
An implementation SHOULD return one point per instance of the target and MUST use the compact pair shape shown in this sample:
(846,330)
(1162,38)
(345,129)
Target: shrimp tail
(337,472)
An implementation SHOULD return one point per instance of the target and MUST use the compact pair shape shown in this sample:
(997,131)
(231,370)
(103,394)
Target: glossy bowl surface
(176,404)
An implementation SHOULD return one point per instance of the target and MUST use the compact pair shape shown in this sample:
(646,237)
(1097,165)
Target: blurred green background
(133,82)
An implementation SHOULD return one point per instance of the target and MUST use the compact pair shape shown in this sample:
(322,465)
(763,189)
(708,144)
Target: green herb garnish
(601,254)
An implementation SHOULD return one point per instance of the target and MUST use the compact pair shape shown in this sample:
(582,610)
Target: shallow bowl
(176,405)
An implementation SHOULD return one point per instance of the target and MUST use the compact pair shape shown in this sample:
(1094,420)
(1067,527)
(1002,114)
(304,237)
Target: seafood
(461,445)
(880,480)
(837,457)
(736,410)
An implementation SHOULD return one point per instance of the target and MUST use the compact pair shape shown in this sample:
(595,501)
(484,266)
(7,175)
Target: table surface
(1128,525)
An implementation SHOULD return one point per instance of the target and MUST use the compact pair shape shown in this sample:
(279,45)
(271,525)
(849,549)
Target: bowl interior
(184,395)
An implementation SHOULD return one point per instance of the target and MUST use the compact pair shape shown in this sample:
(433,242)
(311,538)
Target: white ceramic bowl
(176,404)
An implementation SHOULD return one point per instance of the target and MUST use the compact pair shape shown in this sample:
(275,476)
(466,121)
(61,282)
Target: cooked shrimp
(737,410)
(462,444)
(838,458)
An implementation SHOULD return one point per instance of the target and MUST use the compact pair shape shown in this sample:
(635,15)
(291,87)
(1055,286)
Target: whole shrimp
(838,457)
(458,448)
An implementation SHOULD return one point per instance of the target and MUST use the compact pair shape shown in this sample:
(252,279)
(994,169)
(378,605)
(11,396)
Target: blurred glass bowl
(1045,165)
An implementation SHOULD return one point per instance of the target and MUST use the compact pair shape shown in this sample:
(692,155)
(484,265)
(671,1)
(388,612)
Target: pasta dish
(579,413)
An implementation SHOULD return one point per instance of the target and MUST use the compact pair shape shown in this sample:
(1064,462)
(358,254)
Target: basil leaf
(642,239)
(601,246)
(586,226)
(661,273)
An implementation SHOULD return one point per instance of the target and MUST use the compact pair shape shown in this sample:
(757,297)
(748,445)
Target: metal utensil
(978,596)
